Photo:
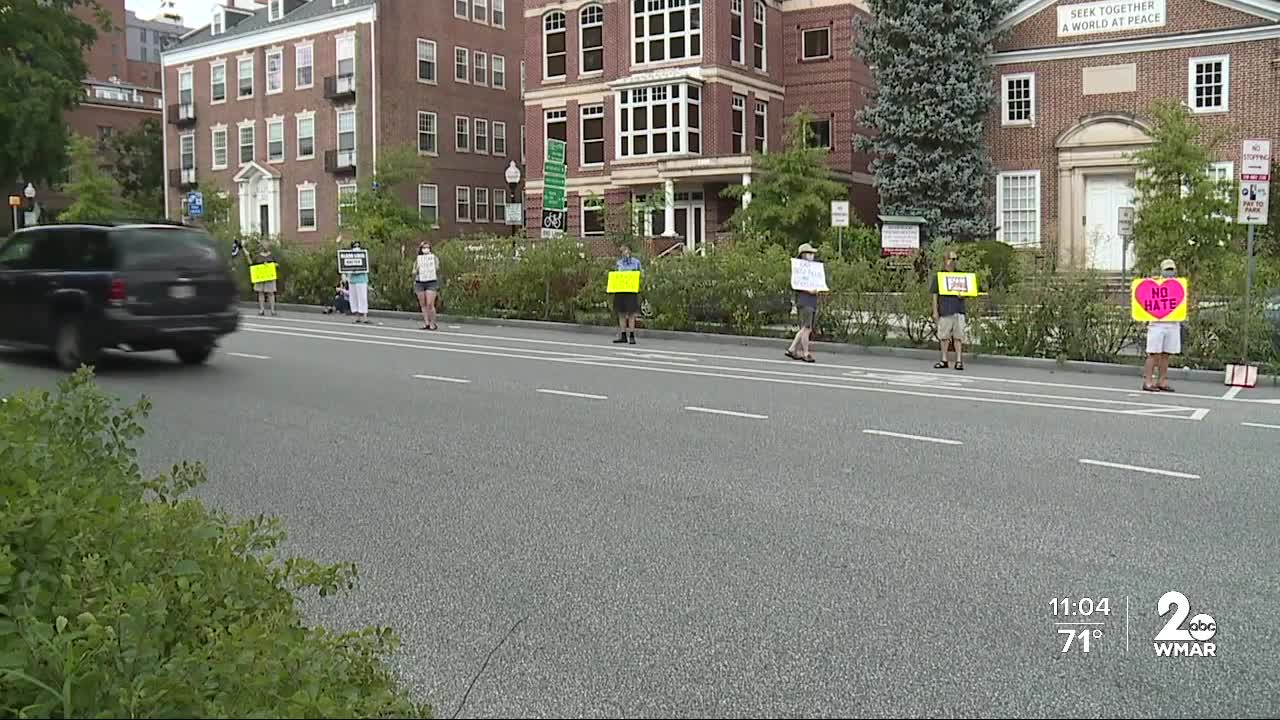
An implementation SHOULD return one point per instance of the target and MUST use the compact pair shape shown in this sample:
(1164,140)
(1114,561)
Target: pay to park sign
(1159,299)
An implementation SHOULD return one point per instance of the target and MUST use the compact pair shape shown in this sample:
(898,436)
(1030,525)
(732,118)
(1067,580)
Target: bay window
(660,120)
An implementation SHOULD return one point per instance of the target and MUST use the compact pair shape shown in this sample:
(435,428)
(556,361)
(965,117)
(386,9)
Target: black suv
(80,288)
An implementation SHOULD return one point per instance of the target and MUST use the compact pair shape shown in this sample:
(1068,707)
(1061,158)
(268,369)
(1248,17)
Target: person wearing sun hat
(807,308)
(1163,339)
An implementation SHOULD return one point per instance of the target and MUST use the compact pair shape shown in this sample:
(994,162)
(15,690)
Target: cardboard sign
(353,261)
(808,275)
(265,272)
(1159,299)
(624,281)
(426,267)
(956,283)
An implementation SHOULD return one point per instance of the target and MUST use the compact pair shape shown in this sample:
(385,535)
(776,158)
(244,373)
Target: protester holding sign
(807,289)
(949,314)
(426,283)
(1164,338)
(627,304)
(359,282)
(265,289)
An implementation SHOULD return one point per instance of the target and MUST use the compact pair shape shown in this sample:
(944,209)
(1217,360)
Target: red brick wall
(144,74)
(87,118)
(107,55)
(1182,16)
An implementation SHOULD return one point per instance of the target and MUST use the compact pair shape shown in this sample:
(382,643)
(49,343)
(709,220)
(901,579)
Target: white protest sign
(1255,182)
(426,268)
(808,275)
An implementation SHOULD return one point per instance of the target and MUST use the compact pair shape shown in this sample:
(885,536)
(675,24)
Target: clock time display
(1083,607)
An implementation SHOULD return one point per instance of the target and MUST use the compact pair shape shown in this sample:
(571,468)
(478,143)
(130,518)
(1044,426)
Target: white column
(746,182)
(669,215)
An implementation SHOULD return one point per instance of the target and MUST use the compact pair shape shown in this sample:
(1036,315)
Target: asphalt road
(864,537)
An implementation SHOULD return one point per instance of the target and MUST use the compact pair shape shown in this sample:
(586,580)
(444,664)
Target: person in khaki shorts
(948,315)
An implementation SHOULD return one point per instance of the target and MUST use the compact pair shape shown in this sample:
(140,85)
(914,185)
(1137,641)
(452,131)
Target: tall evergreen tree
(933,93)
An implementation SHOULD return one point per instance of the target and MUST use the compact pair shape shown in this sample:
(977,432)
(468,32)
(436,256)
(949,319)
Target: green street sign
(553,175)
(553,198)
(555,152)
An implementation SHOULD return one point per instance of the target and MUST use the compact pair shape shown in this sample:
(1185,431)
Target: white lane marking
(1139,468)
(1232,392)
(1261,425)
(713,411)
(1199,414)
(455,327)
(443,379)
(566,393)
(251,356)
(579,360)
(1140,408)
(925,438)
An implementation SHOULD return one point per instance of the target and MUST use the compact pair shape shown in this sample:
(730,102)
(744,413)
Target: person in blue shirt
(627,305)
(359,285)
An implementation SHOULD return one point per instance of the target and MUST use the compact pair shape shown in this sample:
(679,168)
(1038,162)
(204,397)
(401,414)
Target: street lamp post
(513,184)
(29,192)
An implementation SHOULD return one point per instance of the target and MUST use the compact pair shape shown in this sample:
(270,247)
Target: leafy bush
(120,598)
(1066,316)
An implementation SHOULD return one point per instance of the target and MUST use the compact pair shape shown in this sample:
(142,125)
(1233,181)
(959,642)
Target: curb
(1046,364)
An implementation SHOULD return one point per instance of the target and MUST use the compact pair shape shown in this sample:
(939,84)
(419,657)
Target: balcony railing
(340,162)
(182,114)
(182,178)
(340,87)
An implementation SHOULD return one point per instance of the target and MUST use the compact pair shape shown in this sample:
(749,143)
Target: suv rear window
(165,248)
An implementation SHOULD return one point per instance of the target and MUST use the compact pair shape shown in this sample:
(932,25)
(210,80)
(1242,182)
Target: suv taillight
(118,292)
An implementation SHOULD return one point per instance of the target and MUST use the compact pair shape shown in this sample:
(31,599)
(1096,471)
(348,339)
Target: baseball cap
(1168,264)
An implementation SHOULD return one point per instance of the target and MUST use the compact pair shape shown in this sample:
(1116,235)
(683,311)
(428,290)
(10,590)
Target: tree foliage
(933,93)
(380,216)
(96,194)
(138,158)
(1182,211)
(42,48)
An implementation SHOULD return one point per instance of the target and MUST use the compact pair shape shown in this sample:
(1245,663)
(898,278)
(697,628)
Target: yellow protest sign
(956,283)
(1159,299)
(626,281)
(266,272)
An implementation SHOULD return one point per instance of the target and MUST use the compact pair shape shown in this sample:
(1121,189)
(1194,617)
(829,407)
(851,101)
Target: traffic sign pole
(1255,187)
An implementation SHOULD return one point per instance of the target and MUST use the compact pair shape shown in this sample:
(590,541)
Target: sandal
(792,355)
(1164,388)
(1149,388)
(809,359)
(940,365)
(960,366)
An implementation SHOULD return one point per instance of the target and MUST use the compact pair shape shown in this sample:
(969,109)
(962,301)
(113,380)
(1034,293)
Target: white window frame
(461,129)
(677,121)
(461,192)
(1226,83)
(738,104)
(434,133)
(344,48)
(494,62)
(213,66)
(273,122)
(1224,170)
(499,10)
(761,11)
(187,137)
(560,115)
(278,54)
(303,189)
(305,116)
(480,68)
(346,190)
(547,30)
(480,129)
(583,24)
(466,5)
(739,42)
(187,84)
(661,7)
(435,191)
(464,55)
(590,112)
(804,45)
(593,203)
(499,196)
(499,129)
(214,133)
(309,47)
(252,127)
(428,47)
(219,23)
(761,109)
(1005,82)
(275,10)
(478,206)
(480,11)
(355,136)
(242,62)
(1000,211)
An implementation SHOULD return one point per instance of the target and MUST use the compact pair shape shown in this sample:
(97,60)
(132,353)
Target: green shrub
(121,598)
(1066,316)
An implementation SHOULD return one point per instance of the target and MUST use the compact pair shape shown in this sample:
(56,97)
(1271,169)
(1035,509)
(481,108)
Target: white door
(691,219)
(1104,196)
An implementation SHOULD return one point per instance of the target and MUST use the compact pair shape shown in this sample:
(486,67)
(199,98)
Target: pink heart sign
(1160,298)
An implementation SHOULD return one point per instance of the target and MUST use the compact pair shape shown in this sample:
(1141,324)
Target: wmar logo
(1173,640)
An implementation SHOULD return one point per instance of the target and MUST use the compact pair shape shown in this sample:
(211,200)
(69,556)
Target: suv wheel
(194,354)
(69,347)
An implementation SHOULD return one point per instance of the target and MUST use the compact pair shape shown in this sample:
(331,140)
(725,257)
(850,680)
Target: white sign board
(426,267)
(899,239)
(808,275)
(1108,16)
(1124,224)
(839,213)
(514,214)
(1255,182)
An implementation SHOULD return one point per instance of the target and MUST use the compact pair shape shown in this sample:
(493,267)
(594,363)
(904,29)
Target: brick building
(1076,82)
(286,104)
(145,38)
(675,95)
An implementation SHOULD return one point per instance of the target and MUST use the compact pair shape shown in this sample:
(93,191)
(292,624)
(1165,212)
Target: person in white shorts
(1163,339)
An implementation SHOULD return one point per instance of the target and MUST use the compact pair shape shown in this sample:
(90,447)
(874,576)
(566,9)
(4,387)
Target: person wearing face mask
(948,315)
(426,283)
(359,287)
(1163,339)
(807,308)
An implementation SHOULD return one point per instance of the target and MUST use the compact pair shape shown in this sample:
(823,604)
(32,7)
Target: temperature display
(1080,621)
(1080,638)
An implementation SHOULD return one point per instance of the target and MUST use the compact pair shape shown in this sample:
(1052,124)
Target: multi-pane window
(275,10)
(816,44)
(462,8)
(427,133)
(218,81)
(758,35)
(499,71)
(591,36)
(481,65)
(1018,204)
(553,45)
(244,77)
(592,134)
(186,87)
(462,204)
(275,140)
(499,138)
(480,143)
(219,145)
(346,137)
(1209,84)
(666,29)
(429,204)
(1018,99)
(462,134)
(762,127)
(592,215)
(426,60)
(659,120)
(346,200)
(557,122)
(499,205)
(306,136)
(306,207)
(481,204)
(480,11)
(275,71)
(247,139)
(819,134)
(739,124)
(736,36)
(187,151)
(461,64)
(499,15)
(304,66)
